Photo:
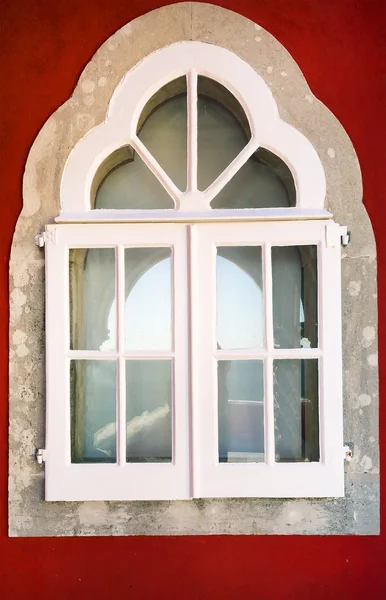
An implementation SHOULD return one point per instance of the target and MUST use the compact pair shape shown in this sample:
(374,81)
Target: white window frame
(269,478)
(194,471)
(267,130)
(120,481)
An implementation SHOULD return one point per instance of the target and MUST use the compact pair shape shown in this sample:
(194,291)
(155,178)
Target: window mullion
(231,170)
(269,426)
(192,131)
(267,293)
(157,170)
(121,372)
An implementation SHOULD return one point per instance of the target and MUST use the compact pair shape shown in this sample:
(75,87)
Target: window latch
(40,455)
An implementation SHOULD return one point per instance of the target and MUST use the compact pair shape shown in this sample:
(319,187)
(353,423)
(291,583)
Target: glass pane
(295,296)
(92,293)
(296,410)
(264,181)
(123,181)
(223,130)
(240,411)
(148,410)
(162,128)
(93,411)
(148,292)
(239,297)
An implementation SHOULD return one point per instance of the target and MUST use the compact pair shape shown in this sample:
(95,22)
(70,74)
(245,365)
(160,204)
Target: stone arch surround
(29,514)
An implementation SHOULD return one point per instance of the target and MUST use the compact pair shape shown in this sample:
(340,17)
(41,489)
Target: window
(193,296)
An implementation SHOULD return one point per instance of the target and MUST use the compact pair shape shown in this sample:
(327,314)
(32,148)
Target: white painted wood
(109,354)
(330,330)
(191,265)
(192,131)
(121,411)
(267,295)
(265,353)
(195,470)
(121,481)
(121,370)
(190,230)
(157,170)
(231,170)
(137,87)
(269,427)
(270,479)
(169,215)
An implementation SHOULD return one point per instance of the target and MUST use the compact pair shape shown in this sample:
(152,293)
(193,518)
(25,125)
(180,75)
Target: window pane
(239,297)
(93,411)
(148,410)
(296,410)
(264,181)
(123,181)
(92,293)
(295,296)
(162,128)
(241,411)
(223,130)
(148,292)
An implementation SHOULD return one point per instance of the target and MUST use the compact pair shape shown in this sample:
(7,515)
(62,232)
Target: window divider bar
(92,354)
(192,308)
(151,354)
(157,170)
(121,375)
(277,353)
(108,355)
(269,417)
(231,170)
(267,294)
(269,423)
(243,354)
(192,124)
(121,412)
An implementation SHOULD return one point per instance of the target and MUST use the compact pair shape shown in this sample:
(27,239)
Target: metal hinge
(345,236)
(348,451)
(46,236)
(40,240)
(40,455)
(336,234)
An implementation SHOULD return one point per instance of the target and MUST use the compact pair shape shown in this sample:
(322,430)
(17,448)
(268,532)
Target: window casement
(193,296)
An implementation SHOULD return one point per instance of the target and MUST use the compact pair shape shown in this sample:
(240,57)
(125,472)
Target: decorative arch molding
(29,515)
(191,58)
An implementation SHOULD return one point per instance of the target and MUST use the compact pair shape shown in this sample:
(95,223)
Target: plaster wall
(29,514)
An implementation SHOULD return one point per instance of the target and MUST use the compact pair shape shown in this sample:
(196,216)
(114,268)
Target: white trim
(195,470)
(269,479)
(137,87)
(192,131)
(170,215)
(121,481)
(121,375)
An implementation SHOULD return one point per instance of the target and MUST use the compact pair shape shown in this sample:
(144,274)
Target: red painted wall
(341,47)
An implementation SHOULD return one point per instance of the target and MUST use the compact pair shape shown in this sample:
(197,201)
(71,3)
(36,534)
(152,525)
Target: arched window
(193,296)
(223,131)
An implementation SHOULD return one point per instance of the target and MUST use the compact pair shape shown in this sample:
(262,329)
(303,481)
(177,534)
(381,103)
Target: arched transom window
(193,296)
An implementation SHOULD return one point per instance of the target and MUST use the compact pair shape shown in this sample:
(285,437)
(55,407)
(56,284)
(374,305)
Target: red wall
(341,47)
